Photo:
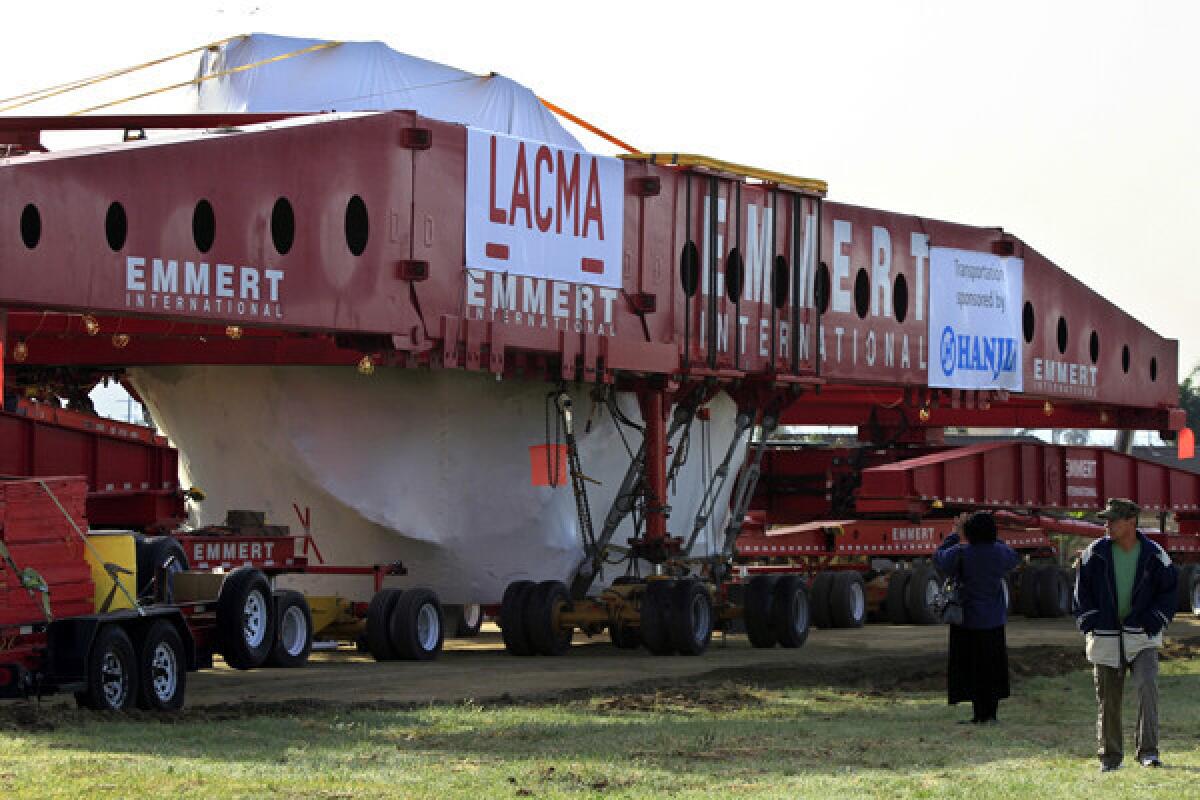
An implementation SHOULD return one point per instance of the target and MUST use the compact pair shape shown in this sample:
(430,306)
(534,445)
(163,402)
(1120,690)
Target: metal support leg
(717,482)
(743,491)
(657,510)
(623,504)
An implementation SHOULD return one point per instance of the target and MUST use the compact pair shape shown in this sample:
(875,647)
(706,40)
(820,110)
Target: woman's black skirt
(978,664)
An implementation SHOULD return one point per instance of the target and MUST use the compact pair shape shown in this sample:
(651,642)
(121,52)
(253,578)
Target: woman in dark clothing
(978,663)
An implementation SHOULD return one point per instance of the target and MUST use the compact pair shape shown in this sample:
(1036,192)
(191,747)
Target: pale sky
(1073,125)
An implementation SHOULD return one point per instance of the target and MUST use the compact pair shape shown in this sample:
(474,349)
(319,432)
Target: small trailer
(864,522)
(119,618)
(69,620)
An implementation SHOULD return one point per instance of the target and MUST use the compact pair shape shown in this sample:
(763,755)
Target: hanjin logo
(987,354)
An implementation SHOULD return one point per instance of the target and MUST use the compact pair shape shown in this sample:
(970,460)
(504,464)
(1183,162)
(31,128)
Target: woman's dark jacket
(980,570)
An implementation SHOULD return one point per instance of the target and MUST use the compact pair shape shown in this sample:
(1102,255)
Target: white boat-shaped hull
(431,468)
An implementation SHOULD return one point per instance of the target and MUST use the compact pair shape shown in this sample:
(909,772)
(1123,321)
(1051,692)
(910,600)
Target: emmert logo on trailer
(542,211)
(988,354)
(197,287)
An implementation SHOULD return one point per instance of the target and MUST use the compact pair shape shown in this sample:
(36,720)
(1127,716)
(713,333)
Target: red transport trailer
(120,619)
(872,517)
(717,278)
(191,593)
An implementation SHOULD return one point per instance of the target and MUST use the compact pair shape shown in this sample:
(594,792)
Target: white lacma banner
(543,211)
(975,320)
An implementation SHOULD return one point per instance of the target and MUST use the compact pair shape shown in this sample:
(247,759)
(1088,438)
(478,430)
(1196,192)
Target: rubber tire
(822,587)
(231,605)
(790,628)
(153,551)
(895,606)
(846,586)
(110,638)
(286,599)
(624,637)
(683,621)
(1184,604)
(1027,593)
(656,617)
(464,623)
(916,595)
(512,618)
(1195,589)
(756,610)
(1053,596)
(161,632)
(404,626)
(540,610)
(379,620)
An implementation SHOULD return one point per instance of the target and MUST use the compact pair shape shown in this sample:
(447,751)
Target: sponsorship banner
(975,305)
(543,211)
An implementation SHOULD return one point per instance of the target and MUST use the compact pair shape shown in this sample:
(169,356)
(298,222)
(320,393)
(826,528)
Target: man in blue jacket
(1125,594)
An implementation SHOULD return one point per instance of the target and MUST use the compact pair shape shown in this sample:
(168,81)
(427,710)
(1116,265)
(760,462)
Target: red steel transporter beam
(403,241)
(361,253)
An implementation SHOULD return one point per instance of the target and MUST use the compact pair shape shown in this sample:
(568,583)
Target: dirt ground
(875,658)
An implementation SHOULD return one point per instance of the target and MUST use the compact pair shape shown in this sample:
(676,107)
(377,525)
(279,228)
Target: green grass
(726,741)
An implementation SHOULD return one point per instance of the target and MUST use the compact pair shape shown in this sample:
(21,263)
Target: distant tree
(1189,398)
(1075,437)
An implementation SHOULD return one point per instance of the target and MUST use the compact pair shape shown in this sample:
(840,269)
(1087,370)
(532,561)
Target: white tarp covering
(369,76)
(431,468)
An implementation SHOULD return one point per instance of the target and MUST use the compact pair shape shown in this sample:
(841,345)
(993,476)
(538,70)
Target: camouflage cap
(1119,508)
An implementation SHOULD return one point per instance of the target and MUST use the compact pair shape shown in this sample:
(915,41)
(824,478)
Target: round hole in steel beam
(283,226)
(862,293)
(781,281)
(821,288)
(1094,346)
(357,225)
(204,226)
(1125,358)
(689,268)
(116,226)
(734,275)
(1028,321)
(1153,369)
(31,226)
(900,297)
(1062,335)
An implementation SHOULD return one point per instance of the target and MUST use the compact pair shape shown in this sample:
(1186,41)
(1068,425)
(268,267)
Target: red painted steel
(1026,475)
(133,483)
(100,122)
(878,538)
(270,554)
(40,537)
(654,414)
(758,235)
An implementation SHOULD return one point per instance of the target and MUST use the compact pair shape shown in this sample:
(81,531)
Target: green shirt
(1124,567)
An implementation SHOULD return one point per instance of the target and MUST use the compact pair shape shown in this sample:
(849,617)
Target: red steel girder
(748,308)
(877,538)
(1025,475)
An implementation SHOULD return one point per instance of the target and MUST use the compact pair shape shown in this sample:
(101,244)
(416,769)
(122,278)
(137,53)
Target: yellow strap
(769,176)
(63,88)
(589,126)
(201,79)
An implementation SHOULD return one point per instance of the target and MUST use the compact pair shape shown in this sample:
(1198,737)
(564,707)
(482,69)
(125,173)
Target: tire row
(404,625)
(1042,590)
(1189,589)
